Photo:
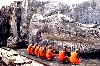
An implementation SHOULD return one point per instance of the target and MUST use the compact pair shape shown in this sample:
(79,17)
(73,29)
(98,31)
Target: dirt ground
(92,59)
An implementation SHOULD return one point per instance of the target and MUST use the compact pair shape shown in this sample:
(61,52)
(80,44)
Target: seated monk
(33,50)
(50,54)
(39,53)
(37,50)
(42,52)
(29,48)
(62,55)
(74,59)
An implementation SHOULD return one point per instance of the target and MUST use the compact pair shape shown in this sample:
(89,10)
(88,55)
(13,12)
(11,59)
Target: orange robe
(50,55)
(74,58)
(32,50)
(42,52)
(37,51)
(29,49)
(62,56)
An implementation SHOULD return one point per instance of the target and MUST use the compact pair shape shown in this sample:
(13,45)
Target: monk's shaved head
(64,49)
(49,47)
(77,50)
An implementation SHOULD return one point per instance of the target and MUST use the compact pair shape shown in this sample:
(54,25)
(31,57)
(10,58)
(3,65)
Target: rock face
(88,12)
(50,27)
(59,32)
(4,25)
(19,27)
(51,23)
(10,24)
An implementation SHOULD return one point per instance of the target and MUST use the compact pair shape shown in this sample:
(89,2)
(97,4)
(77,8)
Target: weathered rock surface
(88,12)
(58,30)
(47,24)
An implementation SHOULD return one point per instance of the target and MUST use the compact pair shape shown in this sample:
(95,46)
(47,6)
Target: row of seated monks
(48,53)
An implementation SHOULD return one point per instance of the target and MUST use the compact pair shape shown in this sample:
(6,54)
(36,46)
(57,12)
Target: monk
(62,55)
(33,50)
(39,53)
(42,52)
(74,58)
(37,50)
(50,54)
(29,48)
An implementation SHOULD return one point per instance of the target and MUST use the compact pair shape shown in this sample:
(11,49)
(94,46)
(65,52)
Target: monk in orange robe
(74,58)
(62,55)
(50,54)
(33,50)
(42,52)
(39,53)
(37,50)
(29,48)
